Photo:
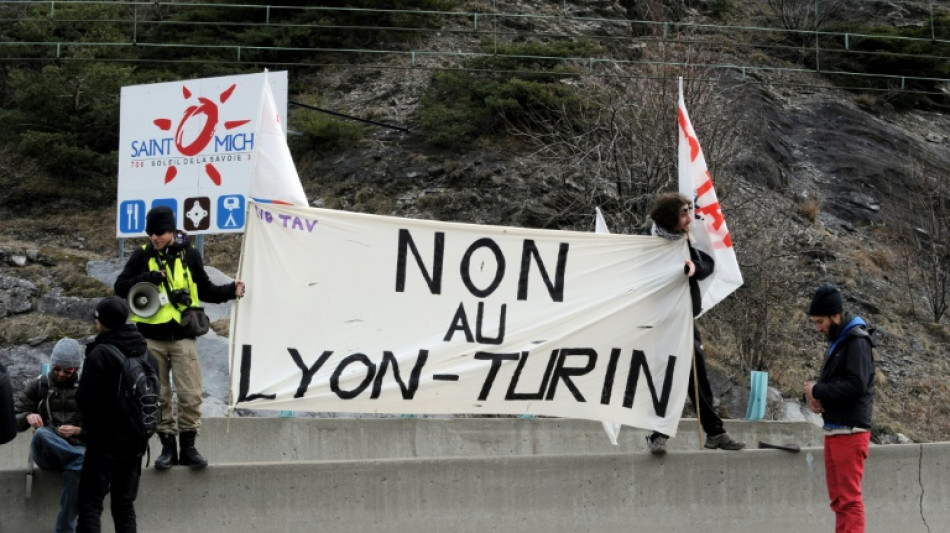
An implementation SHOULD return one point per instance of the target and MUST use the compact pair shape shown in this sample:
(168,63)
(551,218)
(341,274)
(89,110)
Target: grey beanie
(67,353)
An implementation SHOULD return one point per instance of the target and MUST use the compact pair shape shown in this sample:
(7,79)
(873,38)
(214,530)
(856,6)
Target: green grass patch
(516,85)
(892,55)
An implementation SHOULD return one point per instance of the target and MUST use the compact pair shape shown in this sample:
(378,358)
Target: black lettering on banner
(335,378)
(556,290)
(480,321)
(562,373)
(308,373)
(512,395)
(465,267)
(408,392)
(638,361)
(435,280)
(496,360)
(245,383)
(460,323)
(609,376)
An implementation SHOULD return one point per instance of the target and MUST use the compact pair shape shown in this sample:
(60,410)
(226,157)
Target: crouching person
(48,405)
(114,453)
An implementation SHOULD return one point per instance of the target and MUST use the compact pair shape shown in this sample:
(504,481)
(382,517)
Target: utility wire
(415,57)
(744,73)
(474,16)
(56,49)
(349,117)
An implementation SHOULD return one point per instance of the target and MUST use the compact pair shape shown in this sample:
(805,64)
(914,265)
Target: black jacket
(705,265)
(846,385)
(704,268)
(56,407)
(104,425)
(136,271)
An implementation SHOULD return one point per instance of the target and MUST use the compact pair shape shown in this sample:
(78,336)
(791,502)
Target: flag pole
(681,88)
(235,310)
(237,303)
(699,422)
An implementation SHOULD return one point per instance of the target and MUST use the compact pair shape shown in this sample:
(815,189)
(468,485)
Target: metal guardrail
(476,26)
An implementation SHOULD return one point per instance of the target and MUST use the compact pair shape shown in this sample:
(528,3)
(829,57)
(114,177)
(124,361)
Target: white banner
(708,228)
(349,312)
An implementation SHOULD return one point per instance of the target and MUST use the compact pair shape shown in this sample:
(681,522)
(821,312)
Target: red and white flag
(708,229)
(275,179)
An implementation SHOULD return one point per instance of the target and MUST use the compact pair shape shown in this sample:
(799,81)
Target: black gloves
(155,278)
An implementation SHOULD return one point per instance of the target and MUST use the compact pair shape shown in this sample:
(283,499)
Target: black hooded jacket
(103,423)
(846,385)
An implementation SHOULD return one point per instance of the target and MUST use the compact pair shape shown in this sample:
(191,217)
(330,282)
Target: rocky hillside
(818,184)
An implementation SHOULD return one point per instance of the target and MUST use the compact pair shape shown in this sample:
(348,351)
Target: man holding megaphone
(175,279)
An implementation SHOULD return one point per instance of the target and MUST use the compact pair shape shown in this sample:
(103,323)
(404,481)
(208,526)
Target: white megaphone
(145,299)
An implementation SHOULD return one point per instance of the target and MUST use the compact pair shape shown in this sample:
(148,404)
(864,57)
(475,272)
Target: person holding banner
(177,272)
(671,214)
(844,397)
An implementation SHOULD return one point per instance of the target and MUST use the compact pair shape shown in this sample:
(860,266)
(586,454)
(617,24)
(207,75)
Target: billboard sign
(190,145)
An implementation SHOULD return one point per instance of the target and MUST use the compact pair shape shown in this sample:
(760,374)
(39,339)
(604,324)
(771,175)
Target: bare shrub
(925,401)
(618,149)
(883,258)
(26,329)
(802,15)
(761,315)
(929,231)
(789,366)
(809,208)
(802,20)
(866,101)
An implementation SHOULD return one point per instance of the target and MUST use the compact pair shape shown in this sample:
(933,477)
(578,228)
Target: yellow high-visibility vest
(179,277)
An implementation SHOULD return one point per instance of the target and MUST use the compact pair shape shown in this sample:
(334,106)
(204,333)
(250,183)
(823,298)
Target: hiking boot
(189,456)
(657,443)
(169,454)
(724,441)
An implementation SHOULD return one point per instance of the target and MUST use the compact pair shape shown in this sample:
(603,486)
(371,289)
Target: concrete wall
(906,490)
(242,440)
(551,475)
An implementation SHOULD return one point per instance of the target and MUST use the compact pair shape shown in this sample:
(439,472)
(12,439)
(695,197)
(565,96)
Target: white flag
(600,225)
(708,229)
(275,178)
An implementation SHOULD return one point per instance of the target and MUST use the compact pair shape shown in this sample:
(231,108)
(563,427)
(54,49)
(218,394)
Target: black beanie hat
(826,302)
(159,220)
(112,312)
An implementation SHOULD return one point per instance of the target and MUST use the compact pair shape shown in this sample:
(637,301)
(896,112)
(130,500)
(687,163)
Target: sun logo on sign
(209,110)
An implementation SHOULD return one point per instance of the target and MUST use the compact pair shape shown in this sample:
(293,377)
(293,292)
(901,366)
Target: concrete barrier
(906,490)
(319,439)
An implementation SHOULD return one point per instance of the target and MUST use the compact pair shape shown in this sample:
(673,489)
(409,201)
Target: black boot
(169,454)
(189,455)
